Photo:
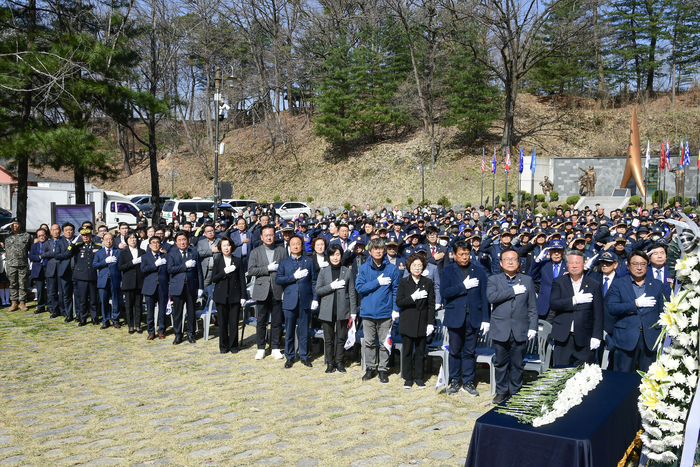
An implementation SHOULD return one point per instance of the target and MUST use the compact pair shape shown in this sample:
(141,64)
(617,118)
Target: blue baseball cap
(557,244)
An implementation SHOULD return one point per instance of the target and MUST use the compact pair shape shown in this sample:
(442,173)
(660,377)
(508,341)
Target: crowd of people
(600,280)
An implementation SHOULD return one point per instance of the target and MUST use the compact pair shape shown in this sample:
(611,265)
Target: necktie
(606,284)
(109,252)
(432,251)
(657,274)
(556,270)
(344,245)
(184,256)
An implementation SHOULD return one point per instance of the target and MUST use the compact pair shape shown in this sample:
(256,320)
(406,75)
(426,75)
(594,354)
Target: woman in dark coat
(229,294)
(318,253)
(416,298)
(129,264)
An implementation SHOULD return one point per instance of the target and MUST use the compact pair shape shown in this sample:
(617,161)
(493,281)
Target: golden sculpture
(679,172)
(547,185)
(587,181)
(633,168)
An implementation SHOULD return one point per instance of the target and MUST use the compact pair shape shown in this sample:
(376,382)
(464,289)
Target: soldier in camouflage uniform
(16,264)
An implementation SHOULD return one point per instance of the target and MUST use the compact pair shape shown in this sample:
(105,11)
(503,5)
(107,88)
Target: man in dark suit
(636,303)
(513,322)
(657,266)
(262,264)
(605,277)
(38,271)
(544,270)
(48,254)
(109,280)
(155,286)
(186,285)
(207,248)
(65,272)
(242,240)
(463,289)
(297,274)
(577,303)
(437,254)
(120,240)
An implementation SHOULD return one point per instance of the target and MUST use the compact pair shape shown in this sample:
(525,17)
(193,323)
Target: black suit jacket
(415,315)
(230,288)
(132,276)
(587,317)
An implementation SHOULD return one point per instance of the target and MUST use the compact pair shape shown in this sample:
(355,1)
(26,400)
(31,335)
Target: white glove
(111,259)
(351,247)
(353,316)
(314,305)
(395,314)
(323,264)
(161,261)
(531,334)
(76,240)
(438,305)
(519,289)
(470,283)
(273,266)
(200,292)
(301,273)
(429,329)
(418,295)
(645,302)
(595,343)
(384,280)
(582,298)
(542,255)
(589,263)
(230,269)
(243,300)
(190,263)
(485,326)
(425,272)
(338,284)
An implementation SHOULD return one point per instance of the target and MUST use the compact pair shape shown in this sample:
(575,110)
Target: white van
(197,205)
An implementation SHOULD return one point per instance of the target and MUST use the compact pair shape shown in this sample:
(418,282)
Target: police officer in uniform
(16,248)
(85,275)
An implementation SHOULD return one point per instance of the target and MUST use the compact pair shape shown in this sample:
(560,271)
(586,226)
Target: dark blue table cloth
(595,433)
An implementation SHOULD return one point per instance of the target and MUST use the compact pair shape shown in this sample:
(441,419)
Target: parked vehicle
(143,202)
(197,205)
(288,210)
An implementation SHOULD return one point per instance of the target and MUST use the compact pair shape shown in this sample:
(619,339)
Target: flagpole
(520,193)
(493,186)
(646,176)
(532,179)
(682,165)
(697,176)
(506,205)
(483,161)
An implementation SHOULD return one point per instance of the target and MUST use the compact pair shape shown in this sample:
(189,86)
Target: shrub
(309,199)
(186,195)
(539,198)
(655,195)
(293,198)
(572,199)
(468,205)
(444,201)
(388,201)
(242,196)
(511,196)
(424,202)
(409,201)
(500,206)
(525,195)
(489,207)
(688,209)
(554,196)
(276,198)
(635,200)
(347,205)
(544,204)
(551,212)
(263,201)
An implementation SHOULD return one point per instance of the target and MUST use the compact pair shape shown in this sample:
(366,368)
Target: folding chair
(538,353)
(439,347)
(486,353)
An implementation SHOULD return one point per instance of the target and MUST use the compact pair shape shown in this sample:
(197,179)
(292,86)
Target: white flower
(665,425)
(682,320)
(690,363)
(655,432)
(679,378)
(683,339)
(672,363)
(694,276)
(674,441)
(694,318)
(692,381)
(676,351)
(677,393)
(672,412)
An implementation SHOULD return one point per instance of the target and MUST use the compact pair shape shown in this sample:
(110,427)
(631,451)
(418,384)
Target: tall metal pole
(217,104)
(680,153)
(697,178)
(506,205)
(483,161)
(520,193)
(422,179)
(493,186)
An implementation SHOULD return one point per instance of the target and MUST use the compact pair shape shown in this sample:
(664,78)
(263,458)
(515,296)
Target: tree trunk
(79,180)
(123,141)
(598,59)
(152,145)
(511,92)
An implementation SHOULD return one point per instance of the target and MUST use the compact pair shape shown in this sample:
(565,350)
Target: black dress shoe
(223,351)
(289,363)
(139,330)
(95,322)
(68,319)
(330,368)
(340,367)
(235,350)
(383,377)
(307,363)
(178,340)
(36,312)
(369,374)
(191,340)
(132,330)
(499,398)
(82,323)
(54,316)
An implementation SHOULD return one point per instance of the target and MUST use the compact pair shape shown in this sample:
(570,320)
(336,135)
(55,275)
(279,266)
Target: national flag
(686,155)
(493,162)
(483,161)
(646,164)
(441,381)
(388,343)
(522,157)
(533,163)
(662,160)
(508,161)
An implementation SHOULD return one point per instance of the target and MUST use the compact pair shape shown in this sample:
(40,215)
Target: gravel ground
(85,396)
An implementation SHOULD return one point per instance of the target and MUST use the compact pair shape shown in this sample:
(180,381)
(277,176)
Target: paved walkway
(85,396)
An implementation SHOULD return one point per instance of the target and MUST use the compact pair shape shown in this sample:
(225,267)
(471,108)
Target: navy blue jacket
(458,299)
(543,273)
(106,271)
(48,254)
(37,262)
(297,292)
(178,271)
(154,276)
(667,282)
